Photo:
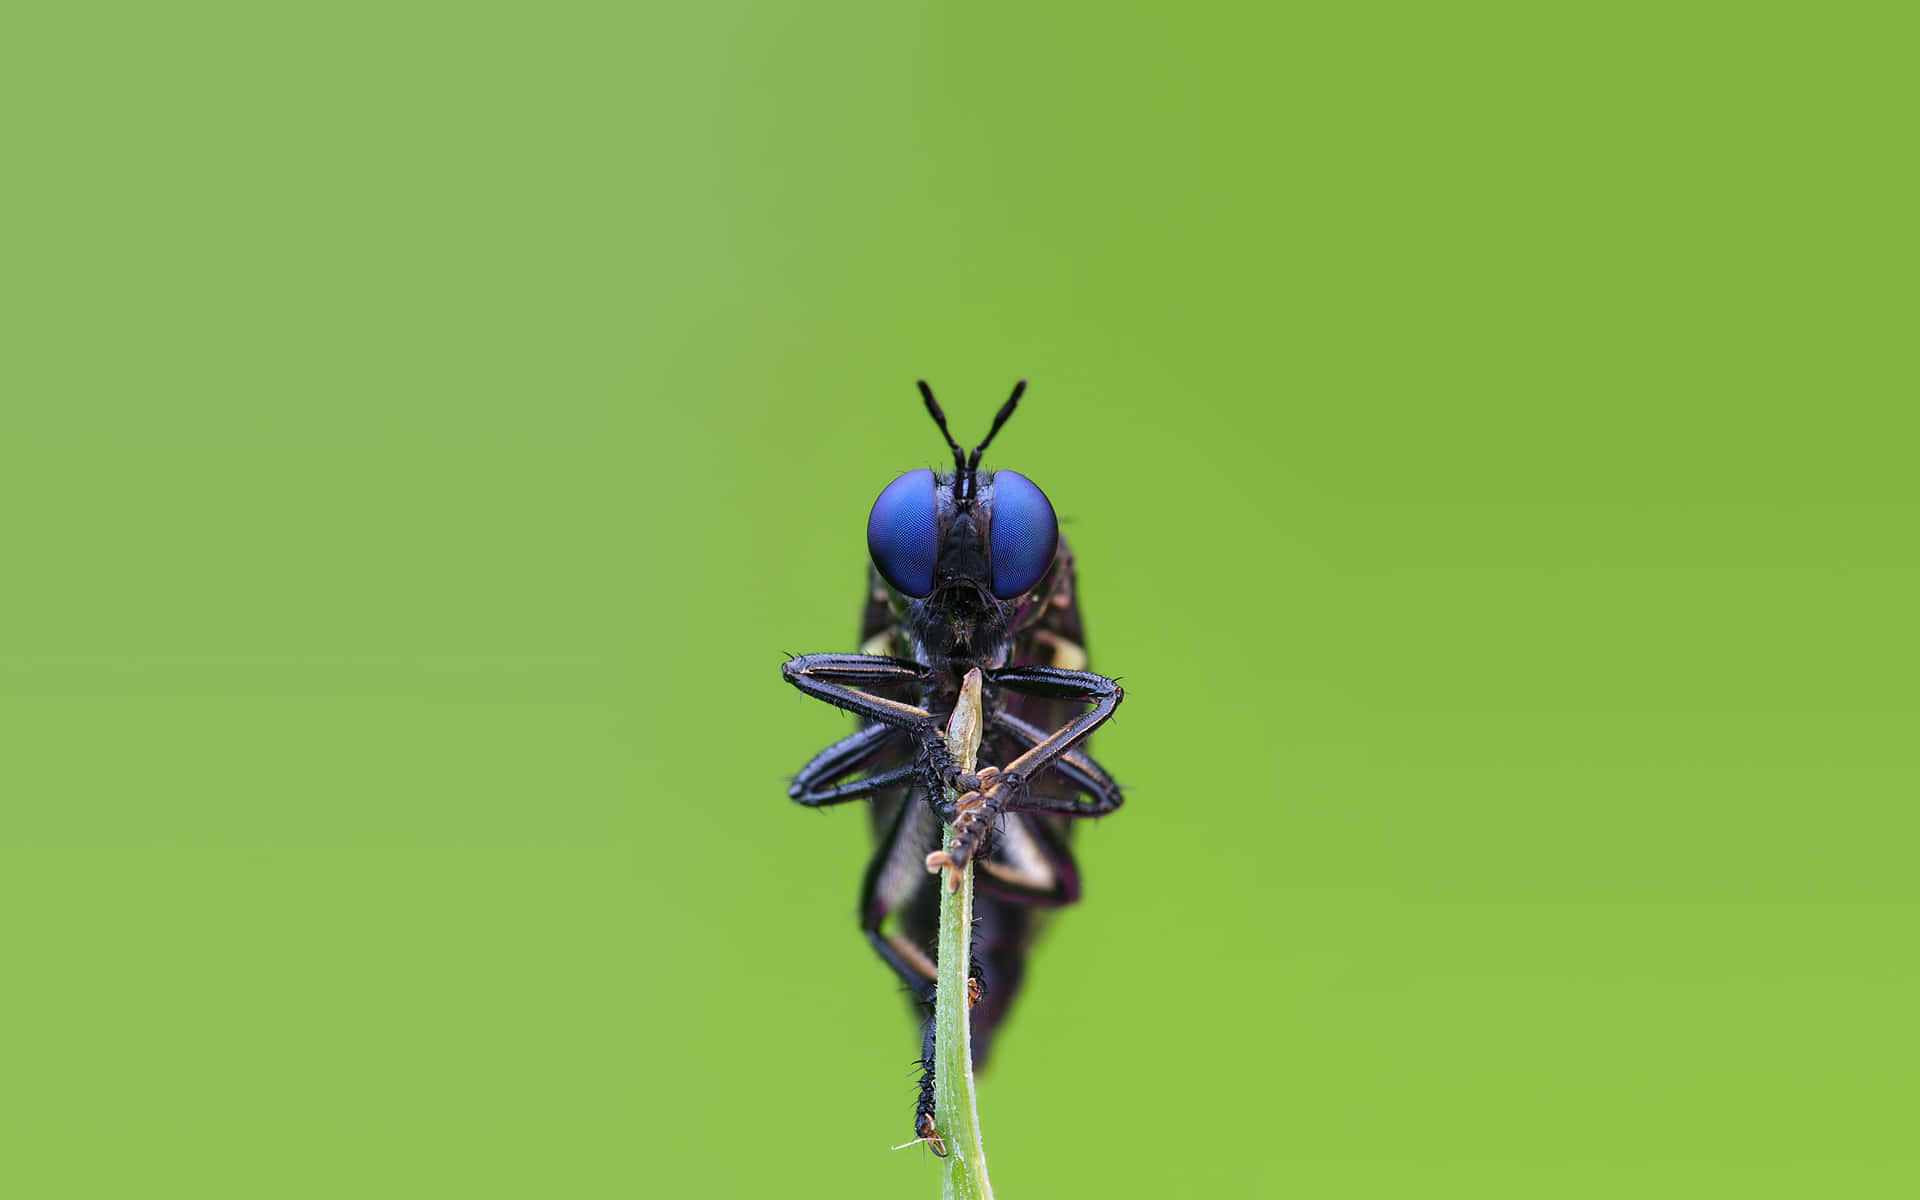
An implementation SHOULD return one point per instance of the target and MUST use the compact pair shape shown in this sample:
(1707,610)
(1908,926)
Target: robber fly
(969,570)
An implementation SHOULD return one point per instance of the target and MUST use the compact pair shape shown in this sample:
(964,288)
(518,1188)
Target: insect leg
(836,679)
(1006,789)
(1073,764)
(898,913)
(923,1126)
(1026,859)
(1055,684)
(898,906)
(855,752)
(890,778)
(1026,862)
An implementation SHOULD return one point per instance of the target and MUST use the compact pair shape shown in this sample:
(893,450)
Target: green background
(1486,432)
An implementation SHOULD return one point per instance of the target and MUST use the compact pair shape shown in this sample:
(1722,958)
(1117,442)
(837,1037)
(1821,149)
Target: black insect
(969,570)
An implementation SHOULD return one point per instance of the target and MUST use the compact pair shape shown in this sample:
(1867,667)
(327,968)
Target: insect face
(962,556)
(999,537)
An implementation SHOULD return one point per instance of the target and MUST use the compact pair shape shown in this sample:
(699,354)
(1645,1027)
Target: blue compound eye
(903,536)
(1023,535)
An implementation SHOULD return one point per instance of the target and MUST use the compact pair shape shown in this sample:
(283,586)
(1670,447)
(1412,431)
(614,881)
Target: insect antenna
(999,419)
(940,419)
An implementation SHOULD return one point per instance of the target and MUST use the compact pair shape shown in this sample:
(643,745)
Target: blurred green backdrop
(1487,433)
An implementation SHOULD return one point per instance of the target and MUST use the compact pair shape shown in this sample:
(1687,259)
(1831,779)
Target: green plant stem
(956,1114)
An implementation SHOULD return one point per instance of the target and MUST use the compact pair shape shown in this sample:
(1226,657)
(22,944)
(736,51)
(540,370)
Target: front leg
(837,678)
(817,783)
(1005,790)
(1053,683)
(1089,779)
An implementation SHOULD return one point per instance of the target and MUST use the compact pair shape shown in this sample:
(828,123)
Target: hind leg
(899,911)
